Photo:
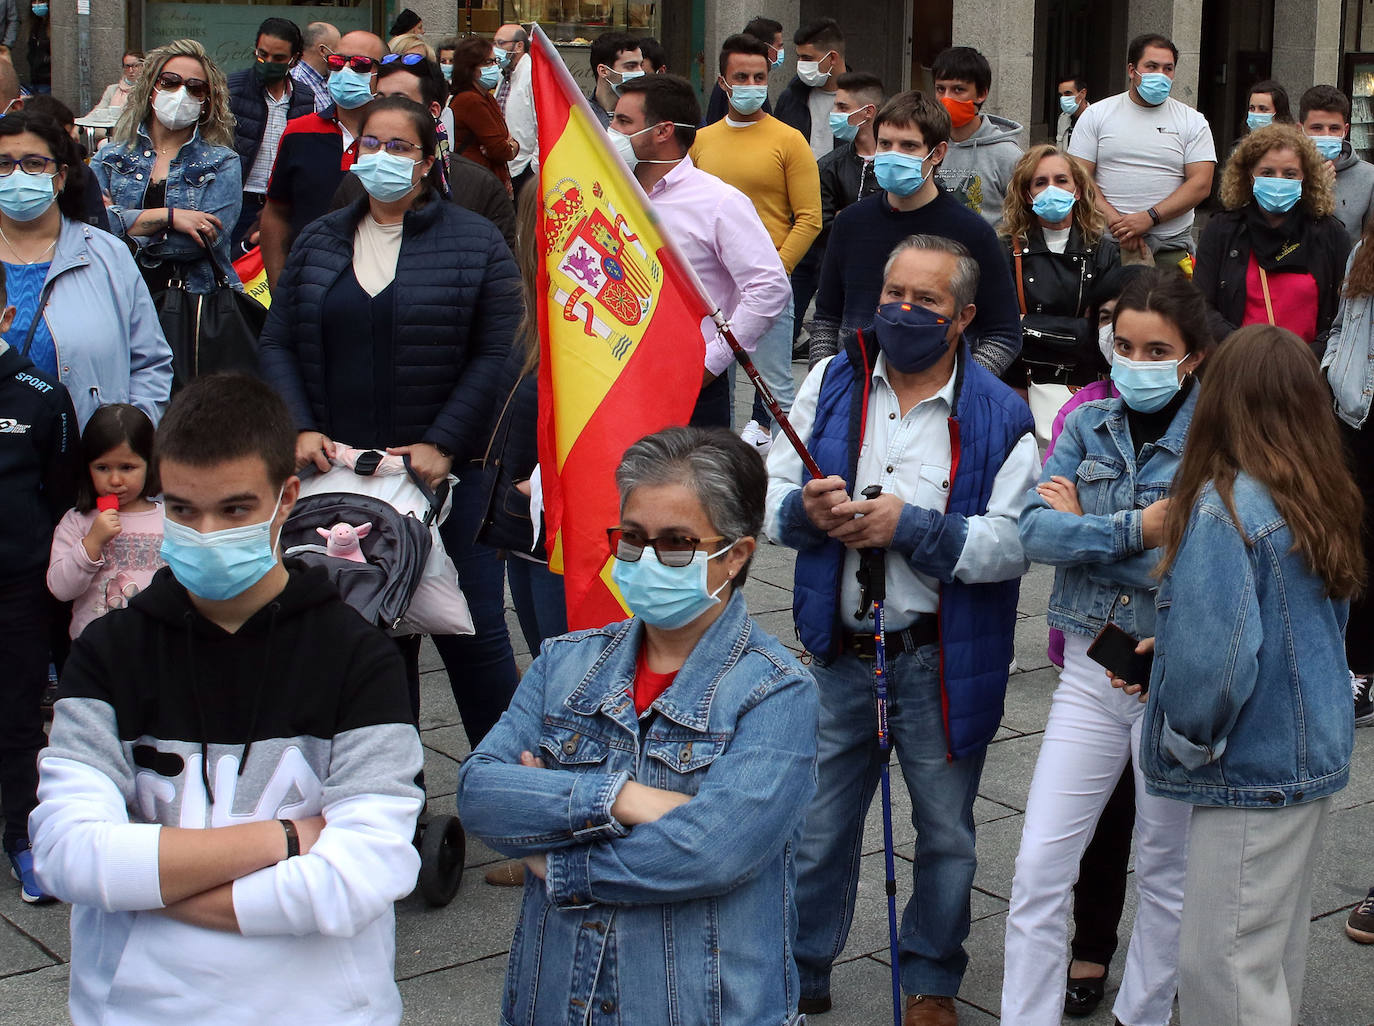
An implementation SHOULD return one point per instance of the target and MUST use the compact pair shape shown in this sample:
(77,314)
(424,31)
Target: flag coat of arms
(621,352)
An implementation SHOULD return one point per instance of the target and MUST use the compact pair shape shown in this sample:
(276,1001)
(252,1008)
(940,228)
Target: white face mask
(810,72)
(1106,341)
(176,109)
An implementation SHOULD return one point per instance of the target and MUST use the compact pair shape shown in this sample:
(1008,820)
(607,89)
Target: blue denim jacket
(1103,570)
(1250,695)
(691,919)
(1348,362)
(201,177)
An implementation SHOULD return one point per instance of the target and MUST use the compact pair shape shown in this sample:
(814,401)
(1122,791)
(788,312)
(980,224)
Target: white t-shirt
(822,140)
(376,247)
(1056,239)
(1140,153)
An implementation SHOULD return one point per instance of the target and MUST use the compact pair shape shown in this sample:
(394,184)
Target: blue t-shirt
(23,286)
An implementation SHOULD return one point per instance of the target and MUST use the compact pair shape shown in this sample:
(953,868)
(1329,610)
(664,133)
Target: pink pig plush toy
(341,540)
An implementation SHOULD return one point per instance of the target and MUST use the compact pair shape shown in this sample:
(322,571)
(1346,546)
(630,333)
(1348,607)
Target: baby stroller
(373,524)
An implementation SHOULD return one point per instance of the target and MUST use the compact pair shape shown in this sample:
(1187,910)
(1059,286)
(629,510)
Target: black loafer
(1083,996)
(813,1006)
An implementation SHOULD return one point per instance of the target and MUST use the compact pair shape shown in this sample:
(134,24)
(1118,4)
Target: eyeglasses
(131,65)
(627,545)
(169,81)
(408,59)
(356,61)
(271,58)
(400,147)
(30,164)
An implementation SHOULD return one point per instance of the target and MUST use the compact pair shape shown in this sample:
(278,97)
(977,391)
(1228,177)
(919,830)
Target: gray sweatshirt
(1354,191)
(978,170)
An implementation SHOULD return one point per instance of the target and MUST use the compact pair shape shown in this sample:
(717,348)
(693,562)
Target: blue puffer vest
(248,104)
(977,621)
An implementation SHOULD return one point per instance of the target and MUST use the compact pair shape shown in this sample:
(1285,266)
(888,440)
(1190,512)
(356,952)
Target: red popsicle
(105,502)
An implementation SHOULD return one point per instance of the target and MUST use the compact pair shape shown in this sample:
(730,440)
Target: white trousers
(1245,921)
(1092,729)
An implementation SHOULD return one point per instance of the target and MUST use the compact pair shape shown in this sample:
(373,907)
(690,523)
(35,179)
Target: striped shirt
(306,75)
(271,138)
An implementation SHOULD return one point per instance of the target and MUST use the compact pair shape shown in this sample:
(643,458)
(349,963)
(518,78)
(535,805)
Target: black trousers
(713,404)
(1359,633)
(25,610)
(1100,893)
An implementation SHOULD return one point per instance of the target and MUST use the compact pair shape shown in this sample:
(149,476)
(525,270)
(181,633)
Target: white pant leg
(1150,979)
(1086,744)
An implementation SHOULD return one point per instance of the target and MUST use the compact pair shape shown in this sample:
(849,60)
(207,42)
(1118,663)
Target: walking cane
(872,593)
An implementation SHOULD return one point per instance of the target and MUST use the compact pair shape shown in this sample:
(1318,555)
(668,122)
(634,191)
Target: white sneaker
(758,437)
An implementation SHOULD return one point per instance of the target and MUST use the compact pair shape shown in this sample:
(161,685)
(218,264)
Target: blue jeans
(936,920)
(537,593)
(773,358)
(481,666)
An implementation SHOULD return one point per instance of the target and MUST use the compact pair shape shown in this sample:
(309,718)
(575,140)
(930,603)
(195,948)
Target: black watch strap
(293,839)
(443,450)
(1154,215)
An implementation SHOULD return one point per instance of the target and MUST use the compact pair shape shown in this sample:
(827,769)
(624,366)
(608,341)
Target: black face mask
(271,72)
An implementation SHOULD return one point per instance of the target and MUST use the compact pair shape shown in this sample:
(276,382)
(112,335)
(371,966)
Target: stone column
(109,30)
(440,17)
(1180,21)
(726,17)
(1004,32)
(1307,42)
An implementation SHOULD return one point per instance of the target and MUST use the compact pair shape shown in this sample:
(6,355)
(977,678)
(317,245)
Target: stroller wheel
(443,846)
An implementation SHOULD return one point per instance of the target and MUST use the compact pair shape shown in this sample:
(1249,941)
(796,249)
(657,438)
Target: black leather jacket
(845,178)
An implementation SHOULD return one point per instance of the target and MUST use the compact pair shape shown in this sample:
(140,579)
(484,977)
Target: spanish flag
(621,352)
(254,276)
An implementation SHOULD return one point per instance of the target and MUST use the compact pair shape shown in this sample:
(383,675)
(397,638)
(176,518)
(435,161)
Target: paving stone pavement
(450,962)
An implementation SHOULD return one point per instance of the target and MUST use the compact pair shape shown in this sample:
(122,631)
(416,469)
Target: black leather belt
(925,631)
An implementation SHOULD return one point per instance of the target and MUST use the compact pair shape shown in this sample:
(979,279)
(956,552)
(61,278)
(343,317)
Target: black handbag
(210,333)
(506,522)
(1051,341)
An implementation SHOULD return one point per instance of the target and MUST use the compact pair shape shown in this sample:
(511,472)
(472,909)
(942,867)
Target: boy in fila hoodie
(228,796)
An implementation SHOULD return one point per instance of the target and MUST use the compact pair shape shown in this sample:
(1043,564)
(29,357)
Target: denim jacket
(1348,362)
(1103,570)
(201,177)
(1250,696)
(685,921)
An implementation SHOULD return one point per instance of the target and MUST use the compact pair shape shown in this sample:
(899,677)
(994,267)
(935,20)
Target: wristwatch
(293,839)
(443,451)
(1154,215)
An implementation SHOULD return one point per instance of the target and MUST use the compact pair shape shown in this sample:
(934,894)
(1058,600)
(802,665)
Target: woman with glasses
(389,329)
(82,313)
(479,127)
(170,172)
(116,95)
(653,774)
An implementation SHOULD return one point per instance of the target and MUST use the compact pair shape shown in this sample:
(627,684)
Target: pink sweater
(127,563)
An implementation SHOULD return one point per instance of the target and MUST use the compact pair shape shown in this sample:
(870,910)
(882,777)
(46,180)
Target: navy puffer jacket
(248,104)
(457,303)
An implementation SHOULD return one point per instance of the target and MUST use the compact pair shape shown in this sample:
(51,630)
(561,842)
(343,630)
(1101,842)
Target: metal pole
(83,54)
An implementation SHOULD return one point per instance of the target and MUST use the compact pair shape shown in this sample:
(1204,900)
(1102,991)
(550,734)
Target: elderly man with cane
(903,407)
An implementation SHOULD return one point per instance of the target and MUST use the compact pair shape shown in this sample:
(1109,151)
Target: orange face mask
(961,112)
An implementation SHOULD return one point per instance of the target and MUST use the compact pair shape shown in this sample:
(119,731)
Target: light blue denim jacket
(682,922)
(1103,570)
(1250,696)
(200,177)
(1348,362)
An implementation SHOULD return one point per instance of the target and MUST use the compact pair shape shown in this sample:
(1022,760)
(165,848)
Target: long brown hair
(1360,281)
(527,256)
(1264,409)
(1017,216)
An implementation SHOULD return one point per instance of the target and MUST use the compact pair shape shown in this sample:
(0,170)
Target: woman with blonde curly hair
(1276,255)
(170,172)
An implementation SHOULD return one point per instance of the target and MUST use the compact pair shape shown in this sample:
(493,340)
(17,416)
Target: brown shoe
(506,874)
(930,1010)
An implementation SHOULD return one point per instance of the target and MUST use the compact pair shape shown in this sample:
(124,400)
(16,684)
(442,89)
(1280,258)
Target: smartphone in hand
(1114,649)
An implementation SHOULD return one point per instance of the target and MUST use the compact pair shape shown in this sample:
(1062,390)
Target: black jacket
(457,302)
(40,456)
(845,178)
(1069,284)
(1223,259)
(248,104)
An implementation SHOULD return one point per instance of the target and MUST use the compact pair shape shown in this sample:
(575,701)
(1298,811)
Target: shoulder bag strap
(1020,287)
(1268,304)
(37,315)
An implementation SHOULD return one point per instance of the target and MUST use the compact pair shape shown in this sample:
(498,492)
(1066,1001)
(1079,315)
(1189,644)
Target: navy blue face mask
(913,338)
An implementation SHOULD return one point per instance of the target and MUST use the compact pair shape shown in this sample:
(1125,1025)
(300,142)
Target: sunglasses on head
(168,81)
(408,59)
(355,62)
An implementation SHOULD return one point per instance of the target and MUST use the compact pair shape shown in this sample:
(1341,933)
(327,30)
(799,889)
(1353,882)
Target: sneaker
(21,868)
(758,437)
(1360,926)
(1364,701)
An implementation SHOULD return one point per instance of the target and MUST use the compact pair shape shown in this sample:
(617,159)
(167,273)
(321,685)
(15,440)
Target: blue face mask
(667,597)
(221,564)
(777,61)
(841,127)
(1329,146)
(747,99)
(24,197)
(899,173)
(1053,204)
(350,89)
(40,10)
(502,56)
(490,75)
(1146,386)
(913,338)
(1068,104)
(625,76)
(385,176)
(1154,87)
(1277,195)
(1255,120)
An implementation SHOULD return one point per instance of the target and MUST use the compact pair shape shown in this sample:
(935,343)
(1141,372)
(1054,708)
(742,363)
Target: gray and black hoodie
(165,719)
(978,170)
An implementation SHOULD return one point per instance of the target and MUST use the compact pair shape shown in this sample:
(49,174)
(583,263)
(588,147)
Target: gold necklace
(15,251)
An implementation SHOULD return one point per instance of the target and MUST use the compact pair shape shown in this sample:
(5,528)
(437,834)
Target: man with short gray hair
(953,451)
(319,39)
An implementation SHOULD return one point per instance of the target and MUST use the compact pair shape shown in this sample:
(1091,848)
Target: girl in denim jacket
(653,773)
(1249,719)
(1098,517)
